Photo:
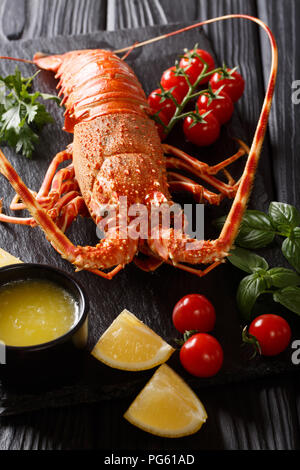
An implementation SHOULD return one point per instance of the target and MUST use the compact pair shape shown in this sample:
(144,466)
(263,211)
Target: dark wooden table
(261,414)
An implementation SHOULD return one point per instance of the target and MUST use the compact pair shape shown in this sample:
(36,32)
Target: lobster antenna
(188,28)
(129,51)
(27,61)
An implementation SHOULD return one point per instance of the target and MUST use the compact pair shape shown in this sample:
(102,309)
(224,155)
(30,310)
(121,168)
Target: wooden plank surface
(285,115)
(262,414)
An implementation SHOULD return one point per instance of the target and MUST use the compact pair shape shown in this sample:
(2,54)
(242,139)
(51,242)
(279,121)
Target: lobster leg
(45,194)
(179,182)
(197,272)
(224,188)
(57,190)
(70,211)
(182,183)
(57,211)
(112,251)
(16,220)
(204,171)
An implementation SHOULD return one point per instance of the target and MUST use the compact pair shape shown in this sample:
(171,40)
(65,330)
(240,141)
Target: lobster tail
(94,83)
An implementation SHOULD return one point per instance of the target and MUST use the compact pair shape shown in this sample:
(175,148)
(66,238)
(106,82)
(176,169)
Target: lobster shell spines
(114,164)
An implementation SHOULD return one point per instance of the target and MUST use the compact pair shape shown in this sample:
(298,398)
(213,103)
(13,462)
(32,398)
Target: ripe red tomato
(272,332)
(167,105)
(201,355)
(220,104)
(233,82)
(170,80)
(193,65)
(194,312)
(202,133)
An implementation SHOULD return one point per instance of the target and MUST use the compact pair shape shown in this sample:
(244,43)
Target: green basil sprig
(256,230)
(259,230)
(282,283)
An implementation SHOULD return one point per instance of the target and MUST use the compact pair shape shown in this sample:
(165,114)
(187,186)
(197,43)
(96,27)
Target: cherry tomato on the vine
(193,65)
(220,104)
(272,332)
(202,132)
(233,82)
(170,80)
(156,102)
(201,355)
(194,312)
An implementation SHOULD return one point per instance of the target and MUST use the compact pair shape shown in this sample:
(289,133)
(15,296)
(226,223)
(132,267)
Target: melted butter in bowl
(35,311)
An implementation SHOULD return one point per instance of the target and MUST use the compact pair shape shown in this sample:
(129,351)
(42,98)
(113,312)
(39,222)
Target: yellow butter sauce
(35,312)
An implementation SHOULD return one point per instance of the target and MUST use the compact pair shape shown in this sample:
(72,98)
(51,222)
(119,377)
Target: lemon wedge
(129,344)
(7,258)
(167,406)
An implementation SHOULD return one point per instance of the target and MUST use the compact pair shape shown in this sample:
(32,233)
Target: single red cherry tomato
(204,132)
(165,119)
(156,101)
(272,332)
(193,65)
(220,104)
(233,82)
(170,80)
(201,355)
(194,312)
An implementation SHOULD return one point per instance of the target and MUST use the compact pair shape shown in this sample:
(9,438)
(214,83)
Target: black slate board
(149,296)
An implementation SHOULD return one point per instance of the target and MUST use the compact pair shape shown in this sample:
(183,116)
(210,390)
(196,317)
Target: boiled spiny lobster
(117,152)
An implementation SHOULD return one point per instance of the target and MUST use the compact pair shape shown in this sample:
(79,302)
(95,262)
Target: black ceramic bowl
(56,356)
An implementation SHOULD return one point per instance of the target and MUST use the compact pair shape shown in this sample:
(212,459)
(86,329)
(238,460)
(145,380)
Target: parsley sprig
(257,231)
(22,116)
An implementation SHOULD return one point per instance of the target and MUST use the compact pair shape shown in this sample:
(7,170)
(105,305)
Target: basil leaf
(291,248)
(256,230)
(248,291)
(284,216)
(283,277)
(289,297)
(246,260)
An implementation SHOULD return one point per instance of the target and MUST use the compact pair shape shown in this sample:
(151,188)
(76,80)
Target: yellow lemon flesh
(7,258)
(129,344)
(167,406)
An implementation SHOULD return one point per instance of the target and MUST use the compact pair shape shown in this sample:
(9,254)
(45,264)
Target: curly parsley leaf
(22,116)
